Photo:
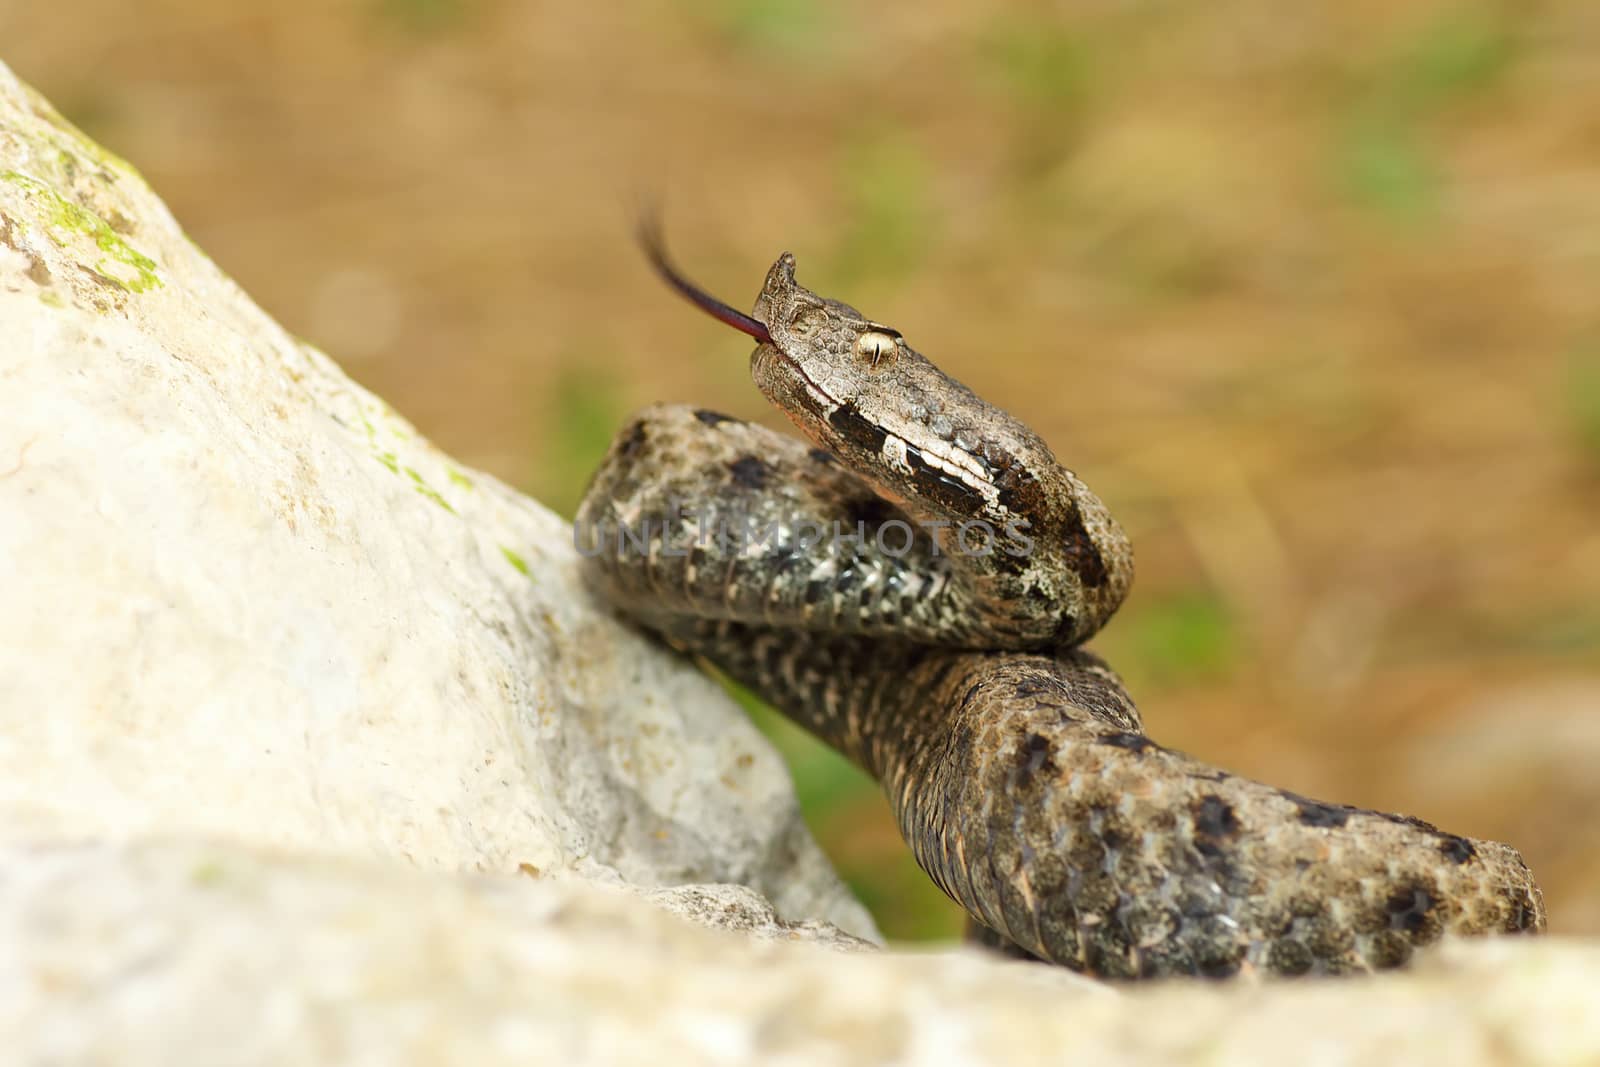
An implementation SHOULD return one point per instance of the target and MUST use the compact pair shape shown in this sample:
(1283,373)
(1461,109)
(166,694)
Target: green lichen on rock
(395,427)
(386,456)
(428,491)
(208,873)
(391,460)
(434,496)
(138,273)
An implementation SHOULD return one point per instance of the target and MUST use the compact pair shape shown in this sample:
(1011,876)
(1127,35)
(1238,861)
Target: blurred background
(1307,292)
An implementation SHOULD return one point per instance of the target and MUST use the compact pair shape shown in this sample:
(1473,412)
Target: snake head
(828,337)
(857,389)
(843,379)
(828,367)
(925,441)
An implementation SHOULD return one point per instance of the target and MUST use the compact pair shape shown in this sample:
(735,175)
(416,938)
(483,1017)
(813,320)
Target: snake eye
(875,344)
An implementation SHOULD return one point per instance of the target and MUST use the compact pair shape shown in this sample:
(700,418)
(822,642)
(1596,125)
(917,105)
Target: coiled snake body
(913,587)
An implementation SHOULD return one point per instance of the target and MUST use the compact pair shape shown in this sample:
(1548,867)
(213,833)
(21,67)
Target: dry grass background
(1306,291)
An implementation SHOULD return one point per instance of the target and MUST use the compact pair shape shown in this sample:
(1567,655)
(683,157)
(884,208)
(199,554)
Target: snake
(912,581)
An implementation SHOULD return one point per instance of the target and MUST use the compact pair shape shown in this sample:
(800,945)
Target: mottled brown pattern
(1015,762)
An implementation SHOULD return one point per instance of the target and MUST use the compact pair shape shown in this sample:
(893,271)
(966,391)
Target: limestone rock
(161,953)
(243,598)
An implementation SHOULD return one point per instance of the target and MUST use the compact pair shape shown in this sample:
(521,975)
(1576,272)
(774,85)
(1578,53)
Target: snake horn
(655,248)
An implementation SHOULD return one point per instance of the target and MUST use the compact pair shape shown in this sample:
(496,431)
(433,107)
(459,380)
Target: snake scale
(913,584)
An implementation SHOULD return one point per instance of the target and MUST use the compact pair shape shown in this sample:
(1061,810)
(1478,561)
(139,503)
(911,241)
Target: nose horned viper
(913,583)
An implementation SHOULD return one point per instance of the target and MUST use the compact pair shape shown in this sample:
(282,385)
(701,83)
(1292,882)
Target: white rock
(243,598)
(188,953)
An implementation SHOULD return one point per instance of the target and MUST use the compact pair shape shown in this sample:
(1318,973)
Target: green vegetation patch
(1184,637)
(1386,166)
(1039,61)
(888,192)
(1461,50)
(1583,401)
(423,17)
(584,408)
(1384,159)
(798,28)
